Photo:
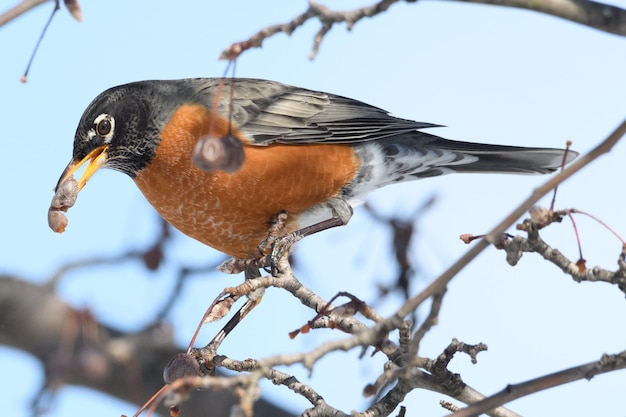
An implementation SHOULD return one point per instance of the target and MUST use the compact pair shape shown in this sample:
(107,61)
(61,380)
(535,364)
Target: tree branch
(125,365)
(516,246)
(589,13)
(605,364)
(327,17)
(596,15)
(401,366)
(18,10)
(26,5)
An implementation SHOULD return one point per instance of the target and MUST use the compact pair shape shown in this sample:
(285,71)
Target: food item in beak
(64,198)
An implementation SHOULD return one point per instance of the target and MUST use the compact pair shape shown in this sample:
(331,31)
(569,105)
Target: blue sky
(489,74)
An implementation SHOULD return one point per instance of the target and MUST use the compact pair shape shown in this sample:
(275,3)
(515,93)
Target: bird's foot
(276,250)
(276,226)
(277,245)
(271,250)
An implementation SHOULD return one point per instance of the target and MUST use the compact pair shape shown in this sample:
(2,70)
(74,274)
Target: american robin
(309,153)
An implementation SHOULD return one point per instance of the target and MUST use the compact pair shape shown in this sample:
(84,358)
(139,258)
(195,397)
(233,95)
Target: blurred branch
(152,257)
(125,365)
(403,232)
(56,218)
(600,16)
(18,10)
(596,15)
(328,18)
(26,5)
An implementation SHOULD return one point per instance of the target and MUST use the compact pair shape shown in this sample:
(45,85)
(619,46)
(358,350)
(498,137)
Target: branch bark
(128,366)
(589,13)
(18,10)
(593,14)
(605,364)
(516,246)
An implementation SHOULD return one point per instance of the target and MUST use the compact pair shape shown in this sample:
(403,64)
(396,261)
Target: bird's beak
(94,159)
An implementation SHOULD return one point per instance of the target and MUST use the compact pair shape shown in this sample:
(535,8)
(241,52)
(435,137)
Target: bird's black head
(120,129)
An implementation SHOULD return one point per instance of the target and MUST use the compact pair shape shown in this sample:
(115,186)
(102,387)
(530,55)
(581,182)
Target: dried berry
(64,198)
(180,366)
(219,154)
(57,220)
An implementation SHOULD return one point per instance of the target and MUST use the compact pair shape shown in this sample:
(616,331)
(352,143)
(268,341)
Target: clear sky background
(489,74)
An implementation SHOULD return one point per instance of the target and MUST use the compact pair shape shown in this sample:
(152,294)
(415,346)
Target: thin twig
(515,247)
(328,18)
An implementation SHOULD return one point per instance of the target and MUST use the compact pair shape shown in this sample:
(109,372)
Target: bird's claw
(271,250)
(276,247)
(280,248)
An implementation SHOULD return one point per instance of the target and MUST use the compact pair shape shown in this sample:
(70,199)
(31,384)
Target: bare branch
(452,383)
(128,365)
(256,40)
(605,364)
(18,10)
(429,321)
(327,17)
(417,378)
(275,376)
(440,380)
(596,15)
(26,5)
(516,246)
(400,371)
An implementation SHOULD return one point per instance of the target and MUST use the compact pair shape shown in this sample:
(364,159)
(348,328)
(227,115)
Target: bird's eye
(103,126)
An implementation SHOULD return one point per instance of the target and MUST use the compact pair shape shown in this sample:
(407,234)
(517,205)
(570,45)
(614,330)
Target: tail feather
(422,155)
(505,159)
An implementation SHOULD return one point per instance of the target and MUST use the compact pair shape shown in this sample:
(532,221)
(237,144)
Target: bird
(310,154)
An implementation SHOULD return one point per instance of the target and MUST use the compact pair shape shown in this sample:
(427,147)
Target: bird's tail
(485,158)
(422,155)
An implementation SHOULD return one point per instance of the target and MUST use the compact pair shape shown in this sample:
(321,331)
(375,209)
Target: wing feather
(271,112)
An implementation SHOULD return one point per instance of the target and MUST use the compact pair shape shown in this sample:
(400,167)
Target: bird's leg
(341,214)
(252,265)
(277,245)
(277,224)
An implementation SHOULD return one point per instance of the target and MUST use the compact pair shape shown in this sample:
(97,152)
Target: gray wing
(270,112)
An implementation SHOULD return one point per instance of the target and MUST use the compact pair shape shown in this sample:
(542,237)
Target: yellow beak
(95,159)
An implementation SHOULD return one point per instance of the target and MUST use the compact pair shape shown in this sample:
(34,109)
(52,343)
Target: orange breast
(230,212)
